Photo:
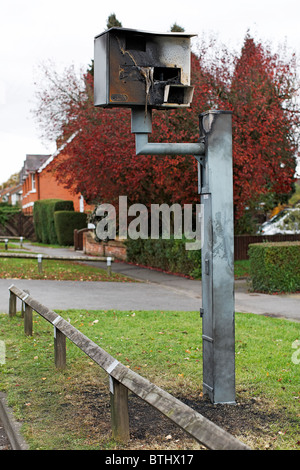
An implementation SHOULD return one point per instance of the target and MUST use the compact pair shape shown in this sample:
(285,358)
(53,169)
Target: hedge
(43,218)
(168,255)
(65,224)
(275,267)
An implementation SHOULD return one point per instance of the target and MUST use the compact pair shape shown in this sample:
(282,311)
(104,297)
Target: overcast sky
(33,31)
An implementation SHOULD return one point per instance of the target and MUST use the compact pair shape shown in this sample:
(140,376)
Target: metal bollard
(40,263)
(108,265)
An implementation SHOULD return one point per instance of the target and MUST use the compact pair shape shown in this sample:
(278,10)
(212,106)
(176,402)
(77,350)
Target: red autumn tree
(265,123)
(102,163)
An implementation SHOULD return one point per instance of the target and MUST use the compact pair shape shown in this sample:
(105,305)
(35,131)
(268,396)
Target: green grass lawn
(69,409)
(52,269)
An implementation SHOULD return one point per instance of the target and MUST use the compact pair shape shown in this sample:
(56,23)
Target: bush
(169,255)
(275,267)
(43,218)
(65,224)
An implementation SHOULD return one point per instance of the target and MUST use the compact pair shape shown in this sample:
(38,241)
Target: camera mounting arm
(141,126)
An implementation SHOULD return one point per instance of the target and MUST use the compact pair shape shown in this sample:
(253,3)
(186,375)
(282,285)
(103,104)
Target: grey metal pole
(214,158)
(217,258)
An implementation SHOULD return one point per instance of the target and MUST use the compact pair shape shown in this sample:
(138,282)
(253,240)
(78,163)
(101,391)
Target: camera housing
(140,68)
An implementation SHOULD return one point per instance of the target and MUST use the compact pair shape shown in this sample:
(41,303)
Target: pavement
(10,435)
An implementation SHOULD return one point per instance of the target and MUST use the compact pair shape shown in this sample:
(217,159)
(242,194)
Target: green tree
(177,29)
(112,22)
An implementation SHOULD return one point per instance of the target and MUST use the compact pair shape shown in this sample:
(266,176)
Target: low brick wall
(114,248)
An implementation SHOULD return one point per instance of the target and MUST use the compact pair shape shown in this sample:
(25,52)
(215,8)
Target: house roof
(37,163)
(10,190)
(13,189)
(31,164)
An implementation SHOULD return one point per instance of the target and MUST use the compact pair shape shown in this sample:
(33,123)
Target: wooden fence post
(12,304)
(119,410)
(124,380)
(60,354)
(28,320)
(23,304)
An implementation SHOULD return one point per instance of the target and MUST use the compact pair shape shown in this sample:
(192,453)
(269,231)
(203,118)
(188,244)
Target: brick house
(28,179)
(12,195)
(39,183)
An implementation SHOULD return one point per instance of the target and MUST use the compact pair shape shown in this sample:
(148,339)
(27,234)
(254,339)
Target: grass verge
(69,409)
(241,267)
(55,270)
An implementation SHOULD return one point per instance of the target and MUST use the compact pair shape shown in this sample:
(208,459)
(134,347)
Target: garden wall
(114,248)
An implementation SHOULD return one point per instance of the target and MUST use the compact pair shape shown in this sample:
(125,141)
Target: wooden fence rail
(123,379)
(242,242)
(3,237)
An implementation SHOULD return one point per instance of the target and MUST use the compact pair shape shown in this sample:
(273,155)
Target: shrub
(275,267)
(43,218)
(65,224)
(169,255)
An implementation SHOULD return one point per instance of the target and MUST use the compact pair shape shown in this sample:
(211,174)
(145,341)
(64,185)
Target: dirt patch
(149,429)
(249,420)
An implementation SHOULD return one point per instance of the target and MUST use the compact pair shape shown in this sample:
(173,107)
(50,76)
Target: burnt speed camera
(138,68)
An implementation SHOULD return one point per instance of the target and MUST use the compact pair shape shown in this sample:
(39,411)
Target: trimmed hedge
(43,218)
(169,255)
(65,224)
(275,267)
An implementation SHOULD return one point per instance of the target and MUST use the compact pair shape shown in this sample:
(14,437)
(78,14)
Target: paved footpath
(157,290)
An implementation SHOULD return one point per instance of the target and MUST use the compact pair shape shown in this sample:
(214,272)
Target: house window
(33,181)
